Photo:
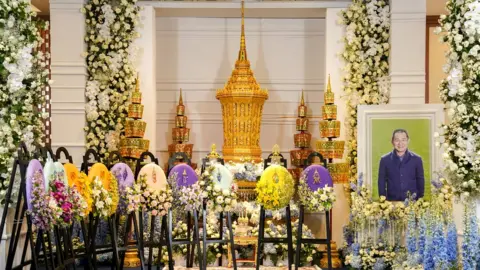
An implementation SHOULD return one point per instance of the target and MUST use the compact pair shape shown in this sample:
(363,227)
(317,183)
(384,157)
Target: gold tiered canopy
(329,130)
(133,144)
(242,102)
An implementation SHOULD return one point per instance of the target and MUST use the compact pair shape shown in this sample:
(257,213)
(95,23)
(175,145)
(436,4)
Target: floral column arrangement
(110,31)
(23,76)
(366,55)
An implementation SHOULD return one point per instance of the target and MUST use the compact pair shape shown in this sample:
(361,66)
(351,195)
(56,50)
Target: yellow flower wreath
(81,182)
(109,183)
(275,188)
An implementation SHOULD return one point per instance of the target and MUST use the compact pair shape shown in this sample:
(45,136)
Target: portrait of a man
(401,171)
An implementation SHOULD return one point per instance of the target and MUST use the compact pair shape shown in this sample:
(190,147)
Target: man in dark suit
(401,171)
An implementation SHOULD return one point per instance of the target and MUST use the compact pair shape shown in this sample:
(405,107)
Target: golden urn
(242,102)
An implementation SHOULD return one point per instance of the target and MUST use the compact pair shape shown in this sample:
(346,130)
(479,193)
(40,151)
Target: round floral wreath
(218,199)
(188,197)
(140,196)
(275,194)
(104,202)
(43,207)
(319,200)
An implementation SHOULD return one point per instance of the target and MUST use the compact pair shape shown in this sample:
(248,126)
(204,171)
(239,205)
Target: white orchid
(111,74)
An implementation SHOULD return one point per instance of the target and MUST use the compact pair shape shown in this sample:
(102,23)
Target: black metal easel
(206,241)
(275,158)
(325,241)
(172,161)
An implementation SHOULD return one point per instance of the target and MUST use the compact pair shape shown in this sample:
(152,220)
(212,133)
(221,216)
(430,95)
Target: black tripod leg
(232,240)
(289,238)
(329,239)
(204,235)
(197,239)
(299,238)
(261,233)
(170,240)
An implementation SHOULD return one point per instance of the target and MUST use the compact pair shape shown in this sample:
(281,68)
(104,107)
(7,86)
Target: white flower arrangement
(102,200)
(246,171)
(319,200)
(218,199)
(460,92)
(366,55)
(157,202)
(110,31)
(23,76)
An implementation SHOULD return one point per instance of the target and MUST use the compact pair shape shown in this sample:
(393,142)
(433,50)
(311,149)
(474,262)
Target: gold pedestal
(131,259)
(336,262)
(244,241)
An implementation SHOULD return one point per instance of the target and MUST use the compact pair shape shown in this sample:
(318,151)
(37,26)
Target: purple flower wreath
(43,208)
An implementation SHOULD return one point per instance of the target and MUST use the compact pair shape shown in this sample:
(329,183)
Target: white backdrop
(198,54)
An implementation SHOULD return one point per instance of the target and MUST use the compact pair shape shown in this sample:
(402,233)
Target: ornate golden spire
(329,96)
(180,100)
(242,54)
(302,101)
(242,102)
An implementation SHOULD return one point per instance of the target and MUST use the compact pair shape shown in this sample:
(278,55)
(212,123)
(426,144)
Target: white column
(334,33)
(69,75)
(147,70)
(407,57)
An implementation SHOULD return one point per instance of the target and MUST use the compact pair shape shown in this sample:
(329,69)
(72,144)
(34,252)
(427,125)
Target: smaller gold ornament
(213,152)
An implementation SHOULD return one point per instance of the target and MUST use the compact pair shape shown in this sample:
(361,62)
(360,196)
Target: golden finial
(137,83)
(213,152)
(329,96)
(180,100)
(302,101)
(329,86)
(276,150)
(242,54)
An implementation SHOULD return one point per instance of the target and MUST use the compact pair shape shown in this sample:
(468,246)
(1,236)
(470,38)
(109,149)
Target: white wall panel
(198,55)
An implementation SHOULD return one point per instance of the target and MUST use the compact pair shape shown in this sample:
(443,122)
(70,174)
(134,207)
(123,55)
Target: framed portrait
(377,143)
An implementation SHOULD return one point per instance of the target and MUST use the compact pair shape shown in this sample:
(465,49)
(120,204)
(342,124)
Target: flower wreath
(140,196)
(104,202)
(319,200)
(189,197)
(82,186)
(218,199)
(43,207)
(275,188)
(59,193)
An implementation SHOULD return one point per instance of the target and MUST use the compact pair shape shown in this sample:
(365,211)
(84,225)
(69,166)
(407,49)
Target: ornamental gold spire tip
(137,83)
(329,86)
(302,101)
(242,54)
(180,100)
